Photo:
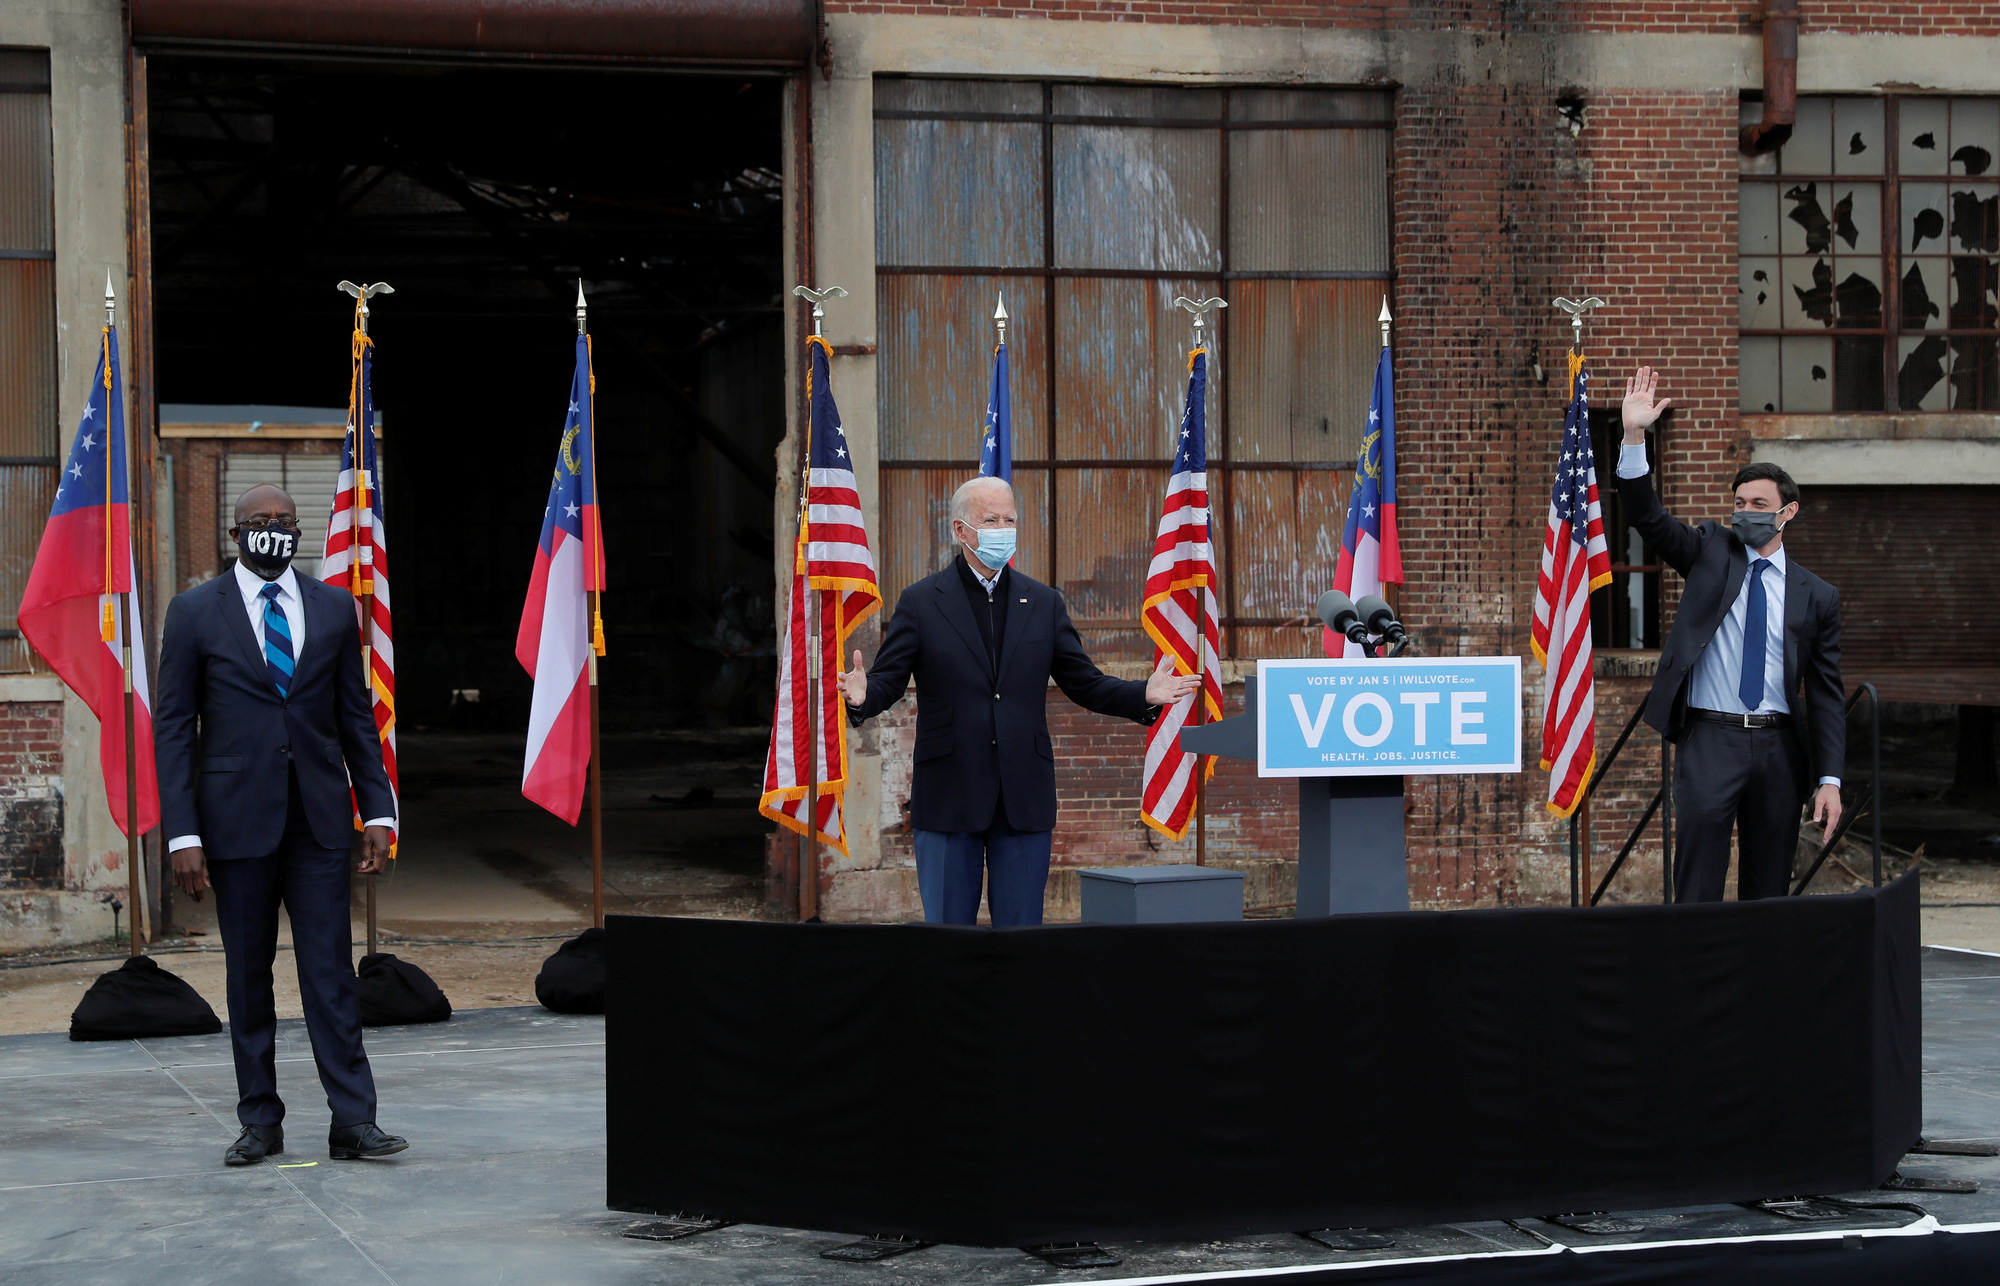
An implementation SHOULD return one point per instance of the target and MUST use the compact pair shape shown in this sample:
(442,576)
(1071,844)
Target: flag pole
(361,581)
(1580,825)
(809,841)
(1201,309)
(134,897)
(596,636)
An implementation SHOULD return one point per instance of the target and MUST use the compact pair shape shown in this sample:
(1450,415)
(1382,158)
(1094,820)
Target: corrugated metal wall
(1092,207)
(28,430)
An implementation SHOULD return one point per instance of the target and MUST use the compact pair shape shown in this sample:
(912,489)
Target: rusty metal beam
(762,33)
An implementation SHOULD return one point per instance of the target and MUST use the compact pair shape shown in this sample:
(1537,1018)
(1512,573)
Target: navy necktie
(277,641)
(1750,687)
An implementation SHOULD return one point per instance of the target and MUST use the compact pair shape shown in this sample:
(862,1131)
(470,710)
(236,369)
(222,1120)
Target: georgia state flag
(1370,554)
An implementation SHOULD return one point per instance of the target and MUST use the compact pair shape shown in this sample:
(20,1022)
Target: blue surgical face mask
(996,546)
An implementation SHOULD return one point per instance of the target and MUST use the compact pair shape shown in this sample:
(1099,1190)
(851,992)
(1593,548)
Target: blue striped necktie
(277,641)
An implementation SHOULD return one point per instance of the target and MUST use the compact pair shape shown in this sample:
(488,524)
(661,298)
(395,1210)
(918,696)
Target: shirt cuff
(390,822)
(1830,781)
(179,842)
(1632,461)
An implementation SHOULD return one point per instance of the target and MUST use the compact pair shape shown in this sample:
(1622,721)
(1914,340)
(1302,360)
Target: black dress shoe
(254,1144)
(347,1142)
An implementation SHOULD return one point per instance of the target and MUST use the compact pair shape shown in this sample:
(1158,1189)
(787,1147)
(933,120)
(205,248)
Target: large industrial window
(1868,258)
(28,430)
(1090,207)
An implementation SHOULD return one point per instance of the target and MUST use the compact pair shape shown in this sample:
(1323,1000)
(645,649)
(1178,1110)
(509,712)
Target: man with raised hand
(1755,650)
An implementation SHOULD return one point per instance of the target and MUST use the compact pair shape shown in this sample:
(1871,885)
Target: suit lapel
(959,612)
(1795,619)
(236,621)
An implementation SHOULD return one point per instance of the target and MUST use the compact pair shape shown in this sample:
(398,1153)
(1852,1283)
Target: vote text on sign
(1343,718)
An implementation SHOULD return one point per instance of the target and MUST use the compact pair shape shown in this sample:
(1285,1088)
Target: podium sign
(1355,718)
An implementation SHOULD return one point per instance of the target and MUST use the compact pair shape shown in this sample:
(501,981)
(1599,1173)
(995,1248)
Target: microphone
(1380,620)
(1338,613)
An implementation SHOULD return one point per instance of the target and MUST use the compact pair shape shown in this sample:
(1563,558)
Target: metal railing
(1663,804)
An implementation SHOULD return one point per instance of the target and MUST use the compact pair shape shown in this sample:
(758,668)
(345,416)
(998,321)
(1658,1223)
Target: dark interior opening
(482,196)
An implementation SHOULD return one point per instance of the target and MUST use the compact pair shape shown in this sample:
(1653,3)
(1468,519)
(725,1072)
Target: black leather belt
(1741,720)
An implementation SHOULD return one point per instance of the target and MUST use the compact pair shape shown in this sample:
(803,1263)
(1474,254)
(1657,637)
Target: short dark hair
(1788,491)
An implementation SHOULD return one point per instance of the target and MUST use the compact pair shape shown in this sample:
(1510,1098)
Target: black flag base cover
(394,992)
(139,999)
(572,980)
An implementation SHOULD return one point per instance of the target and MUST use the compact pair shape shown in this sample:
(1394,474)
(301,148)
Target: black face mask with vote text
(267,549)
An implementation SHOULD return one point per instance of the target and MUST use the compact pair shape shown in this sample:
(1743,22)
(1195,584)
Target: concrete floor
(110,1171)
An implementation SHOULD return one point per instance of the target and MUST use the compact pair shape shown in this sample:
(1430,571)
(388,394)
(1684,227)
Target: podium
(1350,731)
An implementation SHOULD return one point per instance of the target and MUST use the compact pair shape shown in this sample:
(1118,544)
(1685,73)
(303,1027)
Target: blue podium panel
(1342,718)
(1161,895)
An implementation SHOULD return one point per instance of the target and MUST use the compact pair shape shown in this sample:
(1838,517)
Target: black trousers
(1746,778)
(311,882)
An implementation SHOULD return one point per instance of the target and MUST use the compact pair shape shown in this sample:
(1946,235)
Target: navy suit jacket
(982,737)
(1714,563)
(223,737)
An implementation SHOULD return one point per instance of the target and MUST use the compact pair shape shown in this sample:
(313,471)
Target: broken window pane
(1757,373)
(1808,293)
(1857,136)
(1975,135)
(1750,113)
(1757,219)
(1805,378)
(1923,228)
(1920,382)
(1975,374)
(1810,148)
(1926,136)
(1270,229)
(1856,216)
(1974,282)
(1857,373)
(1138,198)
(1807,228)
(1926,291)
(1857,292)
(1975,218)
(1757,282)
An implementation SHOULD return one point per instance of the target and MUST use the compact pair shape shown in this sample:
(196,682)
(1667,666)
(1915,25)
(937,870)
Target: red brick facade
(31,799)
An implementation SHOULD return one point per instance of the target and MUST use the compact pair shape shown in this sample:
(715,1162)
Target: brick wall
(31,799)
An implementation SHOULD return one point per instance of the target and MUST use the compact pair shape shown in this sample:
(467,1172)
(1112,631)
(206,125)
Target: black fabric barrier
(1104,1082)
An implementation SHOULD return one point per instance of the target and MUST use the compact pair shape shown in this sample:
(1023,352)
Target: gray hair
(961,499)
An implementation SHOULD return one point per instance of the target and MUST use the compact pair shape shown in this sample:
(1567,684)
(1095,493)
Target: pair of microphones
(1363,622)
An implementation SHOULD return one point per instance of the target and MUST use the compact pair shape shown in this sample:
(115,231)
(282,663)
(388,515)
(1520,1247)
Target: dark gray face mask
(1754,527)
(267,549)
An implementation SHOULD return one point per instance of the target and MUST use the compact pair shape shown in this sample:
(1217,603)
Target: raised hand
(854,682)
(1640,410)
(1165,688)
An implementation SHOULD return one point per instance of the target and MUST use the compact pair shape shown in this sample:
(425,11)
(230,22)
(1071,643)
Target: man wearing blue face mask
(1755,647)
(982,641)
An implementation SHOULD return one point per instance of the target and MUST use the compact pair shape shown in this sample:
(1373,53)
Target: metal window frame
(1220,467)
(1890,258)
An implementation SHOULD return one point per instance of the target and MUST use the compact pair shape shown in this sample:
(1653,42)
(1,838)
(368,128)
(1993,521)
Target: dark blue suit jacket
(983,738)
(223,738)
(1714,564)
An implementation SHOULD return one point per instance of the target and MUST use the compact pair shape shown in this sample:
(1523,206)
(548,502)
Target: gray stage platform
(110,1171)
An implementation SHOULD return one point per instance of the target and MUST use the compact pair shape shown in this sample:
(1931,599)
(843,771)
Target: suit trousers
(311,882)
(1743,777)
(1015,864)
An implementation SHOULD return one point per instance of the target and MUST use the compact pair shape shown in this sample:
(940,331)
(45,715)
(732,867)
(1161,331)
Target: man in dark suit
(1755,647)
(262,722)
(983,641)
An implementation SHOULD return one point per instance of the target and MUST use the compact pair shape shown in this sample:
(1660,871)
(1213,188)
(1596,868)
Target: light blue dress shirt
(1714,683)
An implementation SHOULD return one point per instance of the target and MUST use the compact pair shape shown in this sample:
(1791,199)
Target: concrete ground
(110,1172)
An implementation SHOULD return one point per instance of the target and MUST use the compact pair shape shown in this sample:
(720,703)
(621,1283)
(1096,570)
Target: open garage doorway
(482,195)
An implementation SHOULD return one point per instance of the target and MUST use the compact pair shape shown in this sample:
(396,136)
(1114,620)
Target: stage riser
(1172,1081)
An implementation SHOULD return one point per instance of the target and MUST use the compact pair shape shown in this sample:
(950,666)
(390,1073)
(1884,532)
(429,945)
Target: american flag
(831,566)
(1180,592)
(356,558)
(1575,561)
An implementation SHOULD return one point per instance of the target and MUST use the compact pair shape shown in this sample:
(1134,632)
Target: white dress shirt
(1717,674)
(251,586)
